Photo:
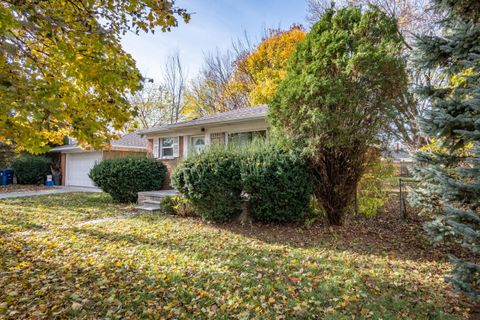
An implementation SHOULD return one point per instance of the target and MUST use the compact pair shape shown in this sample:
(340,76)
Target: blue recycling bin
(6,176)
(9,174)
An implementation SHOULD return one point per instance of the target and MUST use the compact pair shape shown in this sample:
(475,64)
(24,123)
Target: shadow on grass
(150,266)
(45,212)
(384,234)
(93,273)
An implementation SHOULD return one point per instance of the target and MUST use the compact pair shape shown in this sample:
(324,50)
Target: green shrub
(168,205)
(123,178)
(177,205)
(373,187)
(211,182)
(277,182)
(31,169)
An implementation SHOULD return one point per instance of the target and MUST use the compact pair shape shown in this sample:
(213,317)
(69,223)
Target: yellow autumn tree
(63,70)
(259,72)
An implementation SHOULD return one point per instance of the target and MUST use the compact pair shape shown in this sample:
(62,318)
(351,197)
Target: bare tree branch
(174,82)
(151,105)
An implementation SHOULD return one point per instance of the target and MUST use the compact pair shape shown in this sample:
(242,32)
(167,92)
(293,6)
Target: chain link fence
(405,185)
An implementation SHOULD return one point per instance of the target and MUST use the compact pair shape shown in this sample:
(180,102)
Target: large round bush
(211,182)
(123,178)
(278,184)
(31,169)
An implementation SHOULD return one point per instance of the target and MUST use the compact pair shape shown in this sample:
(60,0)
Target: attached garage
(75,164)
(78,166)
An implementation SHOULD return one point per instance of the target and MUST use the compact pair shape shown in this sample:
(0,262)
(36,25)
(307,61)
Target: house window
(217,138)
(166,147)
(198,144)
(241,138)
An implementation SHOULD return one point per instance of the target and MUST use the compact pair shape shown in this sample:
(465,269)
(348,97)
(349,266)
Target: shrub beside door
(278,184)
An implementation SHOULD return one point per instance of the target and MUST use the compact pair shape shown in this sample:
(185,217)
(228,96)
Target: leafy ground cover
(153,266)
(55,211)
(22,187)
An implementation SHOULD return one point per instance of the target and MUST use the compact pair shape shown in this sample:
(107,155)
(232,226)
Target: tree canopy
(63,70)
(414,17)
(246,75)
(341,81)
(259,72)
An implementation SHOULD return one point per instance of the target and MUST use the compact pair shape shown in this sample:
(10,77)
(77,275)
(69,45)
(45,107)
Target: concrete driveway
(53,190)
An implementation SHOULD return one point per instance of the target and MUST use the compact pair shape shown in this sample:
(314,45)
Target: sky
(214,24)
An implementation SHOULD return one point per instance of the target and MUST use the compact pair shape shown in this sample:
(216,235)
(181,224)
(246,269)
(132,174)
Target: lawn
(152,266)
(58,211)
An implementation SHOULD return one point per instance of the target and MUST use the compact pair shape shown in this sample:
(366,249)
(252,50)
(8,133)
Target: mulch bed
(20,188)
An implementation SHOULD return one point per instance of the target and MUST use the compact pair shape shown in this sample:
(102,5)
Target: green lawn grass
(152,266)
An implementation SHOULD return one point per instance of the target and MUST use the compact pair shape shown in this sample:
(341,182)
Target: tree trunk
(334,205)
(335,218)
(336,172)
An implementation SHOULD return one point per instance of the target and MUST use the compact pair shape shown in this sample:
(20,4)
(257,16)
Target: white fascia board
(183,128)
(65,148)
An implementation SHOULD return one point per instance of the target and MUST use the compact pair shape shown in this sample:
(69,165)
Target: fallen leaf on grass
(76,306)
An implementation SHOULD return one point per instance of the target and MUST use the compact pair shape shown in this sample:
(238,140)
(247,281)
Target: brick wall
(63,162)
(150,146)
(171,164)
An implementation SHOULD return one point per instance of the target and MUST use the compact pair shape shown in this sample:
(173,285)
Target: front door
(198,144)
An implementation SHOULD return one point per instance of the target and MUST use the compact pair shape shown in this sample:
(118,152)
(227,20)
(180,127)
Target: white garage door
(78,167)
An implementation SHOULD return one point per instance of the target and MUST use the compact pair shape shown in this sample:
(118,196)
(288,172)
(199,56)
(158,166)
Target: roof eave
(63,148)
(192,125)
(112,148)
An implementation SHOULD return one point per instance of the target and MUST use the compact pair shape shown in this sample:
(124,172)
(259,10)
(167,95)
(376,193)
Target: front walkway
(53,190)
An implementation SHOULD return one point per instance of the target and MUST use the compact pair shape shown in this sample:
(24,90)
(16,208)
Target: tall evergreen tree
(450,173)
(341,82)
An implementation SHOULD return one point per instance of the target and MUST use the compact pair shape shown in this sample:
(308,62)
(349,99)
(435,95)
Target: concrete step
(154,202)
(149,208)
(154,197)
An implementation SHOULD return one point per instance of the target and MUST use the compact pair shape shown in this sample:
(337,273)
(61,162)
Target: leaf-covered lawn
(151,266)
(61,210)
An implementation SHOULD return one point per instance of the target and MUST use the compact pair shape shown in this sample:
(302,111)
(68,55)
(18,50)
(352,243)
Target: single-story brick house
(173,142)
(75,163)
